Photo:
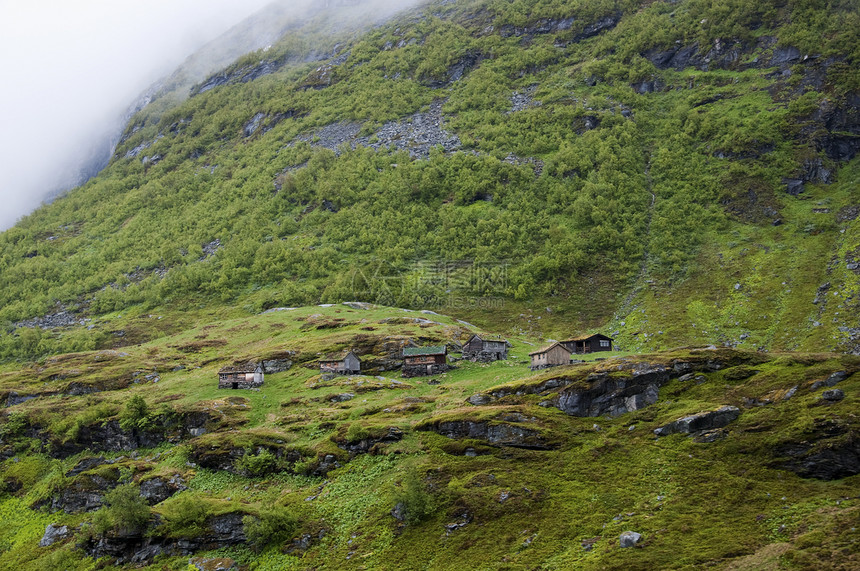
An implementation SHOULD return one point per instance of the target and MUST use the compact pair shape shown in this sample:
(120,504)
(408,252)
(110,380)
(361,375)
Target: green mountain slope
(680,175)
(598,159)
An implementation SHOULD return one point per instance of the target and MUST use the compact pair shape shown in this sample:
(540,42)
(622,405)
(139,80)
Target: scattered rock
(522,100)
(157,490)
(830,381)
(709,420)
(821,293)
(53,534)
(398,512)
(417,134)
(833,395)
(629,539)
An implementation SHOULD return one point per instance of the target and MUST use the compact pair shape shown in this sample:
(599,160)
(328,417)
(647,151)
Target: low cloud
(71,69)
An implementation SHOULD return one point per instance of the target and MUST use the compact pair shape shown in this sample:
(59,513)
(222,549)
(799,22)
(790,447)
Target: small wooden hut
(485,350)
(248,376)
(421,361)
(550,356)
(343,363)
(588,344)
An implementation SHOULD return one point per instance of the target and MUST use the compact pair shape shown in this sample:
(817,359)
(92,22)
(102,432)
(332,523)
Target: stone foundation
(424,370)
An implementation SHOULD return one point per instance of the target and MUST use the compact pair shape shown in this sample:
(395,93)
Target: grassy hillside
(578,163)
(312,471)
(679,175)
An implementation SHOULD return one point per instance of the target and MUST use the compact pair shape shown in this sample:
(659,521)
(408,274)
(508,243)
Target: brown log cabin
(344,363)
(485,350)
(588,344)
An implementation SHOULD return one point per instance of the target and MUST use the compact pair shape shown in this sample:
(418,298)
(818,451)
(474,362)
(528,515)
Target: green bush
(259,464)
(356,432)
(125,511)
(135,415)
(15,423)
(186,516)
(275,525)
(415,501)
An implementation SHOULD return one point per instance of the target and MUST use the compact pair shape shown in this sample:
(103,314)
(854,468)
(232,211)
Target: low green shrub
(135,415)
(274,525)
(416,503)
(259,464)
(356,432)
(125,511)
(186,516)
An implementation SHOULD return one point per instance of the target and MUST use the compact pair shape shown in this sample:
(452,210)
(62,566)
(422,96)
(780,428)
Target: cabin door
(235,386)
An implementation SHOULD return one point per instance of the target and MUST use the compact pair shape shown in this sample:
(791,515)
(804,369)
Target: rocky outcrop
(156,490)
(702,421)
(418,134)
(502,392)
(226,457)
(372,444)
(618,386)
(613,395)
(278,365)
(561,26)
(221,531)
(722,54)
(506,431)
(455,72)
(239,75)
(830,453)
(543,26)
(15,399)
(597,27)
(109,436)
(85,494)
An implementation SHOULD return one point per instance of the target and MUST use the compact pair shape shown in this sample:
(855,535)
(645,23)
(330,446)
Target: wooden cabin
(551,356)
(588,344)
(343,363)
(421,361)
(248,376)
(485,350)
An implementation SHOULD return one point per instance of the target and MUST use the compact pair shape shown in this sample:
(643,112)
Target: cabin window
(604,343)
